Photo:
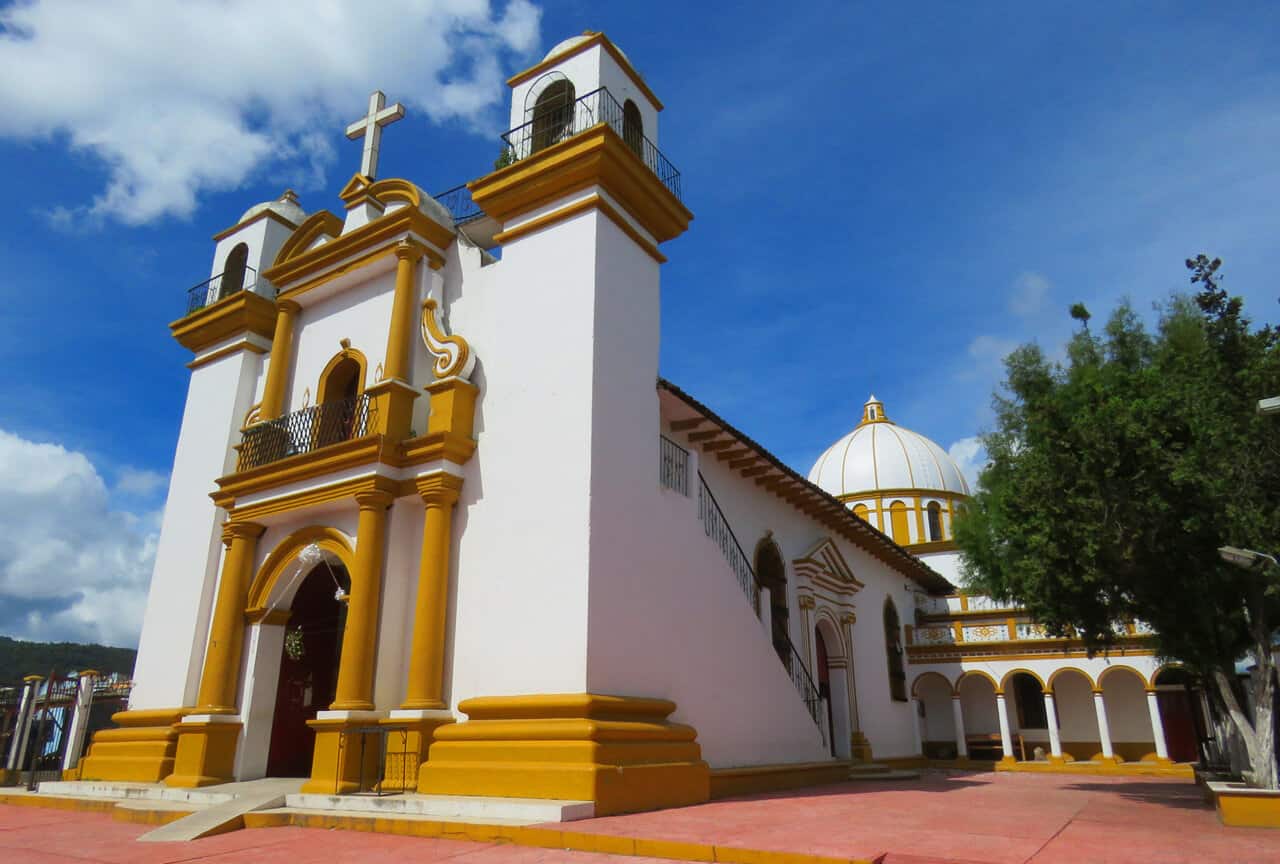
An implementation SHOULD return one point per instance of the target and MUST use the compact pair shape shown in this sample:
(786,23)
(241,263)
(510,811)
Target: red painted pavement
(959,818)
(939,819)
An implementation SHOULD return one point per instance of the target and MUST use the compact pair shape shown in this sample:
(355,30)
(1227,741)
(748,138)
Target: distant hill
(18,658)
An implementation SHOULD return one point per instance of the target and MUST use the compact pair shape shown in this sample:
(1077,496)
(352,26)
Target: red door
(1179,726)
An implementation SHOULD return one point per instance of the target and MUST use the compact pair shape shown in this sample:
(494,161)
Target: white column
(962,746)
(1051,715)
(79,720)
(1104,728)
(1006,737)
(23,723)
(1157,727)
(916,720)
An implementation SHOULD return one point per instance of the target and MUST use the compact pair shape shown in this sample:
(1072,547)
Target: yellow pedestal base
(859,747)
(618,752)
(338,764)
(206,754)
(1242,807)
(140,750)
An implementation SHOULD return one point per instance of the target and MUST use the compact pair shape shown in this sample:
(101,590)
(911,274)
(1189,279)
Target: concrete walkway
(937,819)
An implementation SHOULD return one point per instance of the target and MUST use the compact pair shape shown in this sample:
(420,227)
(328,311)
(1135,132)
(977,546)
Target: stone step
(519,810)
(227,815)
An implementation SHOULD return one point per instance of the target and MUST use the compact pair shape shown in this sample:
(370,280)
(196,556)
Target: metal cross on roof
(370,126)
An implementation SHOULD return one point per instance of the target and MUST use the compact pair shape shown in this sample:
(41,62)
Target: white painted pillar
(1051,715)
(1006,737)
(916,721)
(766,613)
(1157,726)
(962,746)
(18,743)
(1104,728)
(79,720)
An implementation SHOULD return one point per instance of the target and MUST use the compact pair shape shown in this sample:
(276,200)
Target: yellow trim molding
(616,751)
(583,205)
(314,227)
(731,782)
(206,754)
(257,217)
(242,312)
(280,558)
(596,157)
(596,39)
(226,351)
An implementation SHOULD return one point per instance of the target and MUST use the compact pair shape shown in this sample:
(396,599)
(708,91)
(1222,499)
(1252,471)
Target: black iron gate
(55,705)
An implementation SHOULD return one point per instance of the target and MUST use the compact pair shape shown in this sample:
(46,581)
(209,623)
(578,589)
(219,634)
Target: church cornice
(243,312)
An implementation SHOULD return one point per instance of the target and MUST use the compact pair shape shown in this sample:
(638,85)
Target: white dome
(286,206)
(881,455)
(574,42)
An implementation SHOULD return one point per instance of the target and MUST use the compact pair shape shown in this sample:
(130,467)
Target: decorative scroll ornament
(453,355)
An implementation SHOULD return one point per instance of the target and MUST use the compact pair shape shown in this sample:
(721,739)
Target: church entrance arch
(832,674)
(308,667)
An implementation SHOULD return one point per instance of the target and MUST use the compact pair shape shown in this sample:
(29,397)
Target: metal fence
(553,124)
(219,287)
(304,431)
(673,470)
(458,202)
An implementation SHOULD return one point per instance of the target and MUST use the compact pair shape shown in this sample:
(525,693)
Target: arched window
(860,510)
(898,523)
(633,128)
(1028,697)
(893,652)
(934,514)
(771,573)
(341,384)
(553,115)
(233,270)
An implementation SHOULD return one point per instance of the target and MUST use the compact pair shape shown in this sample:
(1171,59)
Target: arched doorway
(1028,717)
(552,115)
(832,675)
(977,693)
(633,128)
(771,573)
(1124,693)
(341,384)
(308,668)
(893,652)
(933,693)
(1177,701)
(233,271)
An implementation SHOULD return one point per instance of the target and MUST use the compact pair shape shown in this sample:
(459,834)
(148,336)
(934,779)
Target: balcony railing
(458,202)
(304,431)
(552,125)
(223,285)
(673,466)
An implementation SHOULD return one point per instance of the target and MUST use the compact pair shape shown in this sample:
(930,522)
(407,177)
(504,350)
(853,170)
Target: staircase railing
(717,528)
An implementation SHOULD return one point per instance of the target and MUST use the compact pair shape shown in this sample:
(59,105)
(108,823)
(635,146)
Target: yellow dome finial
(873,411)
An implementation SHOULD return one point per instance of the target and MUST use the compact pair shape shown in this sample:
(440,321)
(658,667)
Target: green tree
(1115,475)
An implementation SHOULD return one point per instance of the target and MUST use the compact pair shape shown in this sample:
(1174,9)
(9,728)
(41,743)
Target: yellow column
(220,678)
(281,355)
(360,637)
(400,336)
(425,686)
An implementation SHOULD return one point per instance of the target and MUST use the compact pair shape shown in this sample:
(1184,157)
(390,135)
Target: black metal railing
(223,285)
(673,465)
(717,528)
(304,431)
(458,202)
(551,125)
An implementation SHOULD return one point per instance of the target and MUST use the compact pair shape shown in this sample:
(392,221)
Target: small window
(233,270)
(893,652)
(934,512)
(898,523)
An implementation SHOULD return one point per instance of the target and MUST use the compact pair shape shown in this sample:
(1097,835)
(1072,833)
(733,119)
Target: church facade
(429,492)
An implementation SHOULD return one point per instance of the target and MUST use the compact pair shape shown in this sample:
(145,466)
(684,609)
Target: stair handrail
(717,528)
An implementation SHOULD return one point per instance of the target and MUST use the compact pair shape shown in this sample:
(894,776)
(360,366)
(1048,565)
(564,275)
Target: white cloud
(1029,294)
(177,99)
(71,567)
(971,457)
(139,481)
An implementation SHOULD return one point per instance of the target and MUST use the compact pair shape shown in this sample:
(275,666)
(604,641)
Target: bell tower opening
(553,113)
(771,573)
(308,668)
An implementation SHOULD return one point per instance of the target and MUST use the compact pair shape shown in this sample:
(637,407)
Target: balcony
(304,431)
(215,288)
(552,124)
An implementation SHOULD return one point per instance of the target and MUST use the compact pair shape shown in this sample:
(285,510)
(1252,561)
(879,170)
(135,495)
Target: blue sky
(888,198)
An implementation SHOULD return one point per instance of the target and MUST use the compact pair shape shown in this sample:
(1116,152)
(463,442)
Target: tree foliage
(19,659)
(1115,475)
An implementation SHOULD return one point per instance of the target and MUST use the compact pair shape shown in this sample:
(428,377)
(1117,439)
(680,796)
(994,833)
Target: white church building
(434,517)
